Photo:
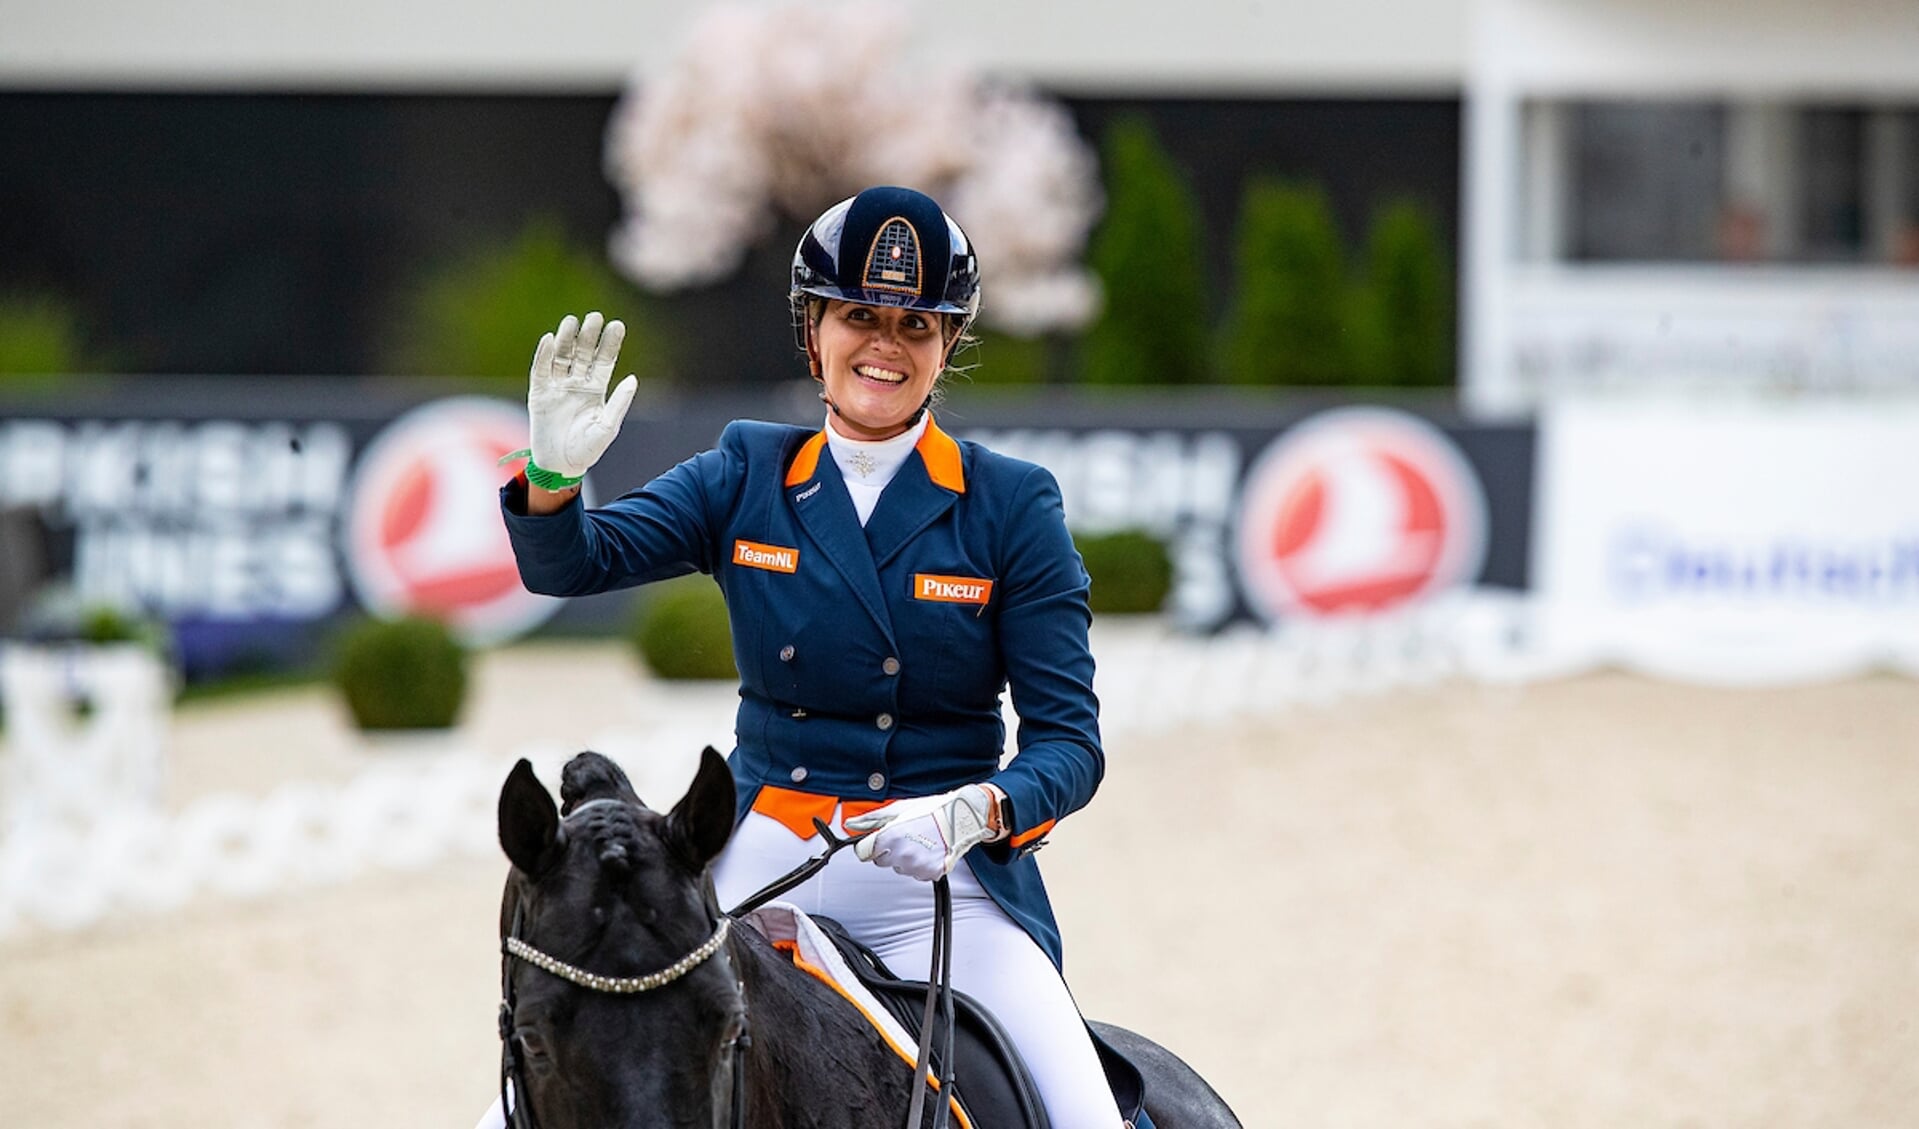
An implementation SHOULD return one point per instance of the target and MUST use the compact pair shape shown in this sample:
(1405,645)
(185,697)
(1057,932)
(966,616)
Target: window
(1695,181)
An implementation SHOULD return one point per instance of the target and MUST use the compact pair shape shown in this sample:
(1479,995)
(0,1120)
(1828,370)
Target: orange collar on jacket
(937,450)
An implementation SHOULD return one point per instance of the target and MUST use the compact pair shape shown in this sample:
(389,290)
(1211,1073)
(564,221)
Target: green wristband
(539,476)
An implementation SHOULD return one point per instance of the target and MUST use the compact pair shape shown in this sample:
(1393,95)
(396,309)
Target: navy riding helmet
(886,247)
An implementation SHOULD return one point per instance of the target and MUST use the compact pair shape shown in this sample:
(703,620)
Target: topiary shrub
(1132,571)
(1287,321)
(407,673)
(1152,327)
(680,630)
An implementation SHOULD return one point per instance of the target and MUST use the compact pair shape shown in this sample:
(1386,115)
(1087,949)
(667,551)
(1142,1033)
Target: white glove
(573,421)
(923,838)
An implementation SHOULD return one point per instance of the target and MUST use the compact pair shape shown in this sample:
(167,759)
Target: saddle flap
(990,1081)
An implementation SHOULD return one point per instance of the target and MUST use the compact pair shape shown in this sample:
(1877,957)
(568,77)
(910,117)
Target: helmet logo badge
(893,262)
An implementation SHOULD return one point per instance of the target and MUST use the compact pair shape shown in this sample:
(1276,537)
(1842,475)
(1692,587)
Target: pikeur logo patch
(951,589)
(773,558)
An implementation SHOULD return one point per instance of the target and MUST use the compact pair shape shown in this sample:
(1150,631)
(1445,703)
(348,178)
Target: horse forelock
(590,776)
(613,832)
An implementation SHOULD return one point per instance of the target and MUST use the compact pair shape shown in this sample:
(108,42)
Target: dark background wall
(272,234)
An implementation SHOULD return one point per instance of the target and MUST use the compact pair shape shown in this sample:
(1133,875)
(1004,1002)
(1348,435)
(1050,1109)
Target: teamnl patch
(773,558)
(951,589)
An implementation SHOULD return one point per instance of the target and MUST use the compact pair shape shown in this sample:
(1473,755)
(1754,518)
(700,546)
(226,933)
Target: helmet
(886,247)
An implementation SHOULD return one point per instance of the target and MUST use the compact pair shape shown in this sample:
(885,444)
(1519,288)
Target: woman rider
(884,583)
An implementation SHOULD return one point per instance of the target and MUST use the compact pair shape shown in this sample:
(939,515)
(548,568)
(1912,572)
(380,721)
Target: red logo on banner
(1358,510)
(423,530)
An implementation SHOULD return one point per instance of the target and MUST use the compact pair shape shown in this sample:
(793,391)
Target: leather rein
(939,991)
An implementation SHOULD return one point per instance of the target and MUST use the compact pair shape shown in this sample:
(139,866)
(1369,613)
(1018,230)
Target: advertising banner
(1341,511)
(252,516)
(1754,543)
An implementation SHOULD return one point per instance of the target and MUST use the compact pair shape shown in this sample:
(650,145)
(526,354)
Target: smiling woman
(885,583)
(877,366)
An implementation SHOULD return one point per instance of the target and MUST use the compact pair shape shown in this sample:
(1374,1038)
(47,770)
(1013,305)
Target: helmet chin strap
(910,420)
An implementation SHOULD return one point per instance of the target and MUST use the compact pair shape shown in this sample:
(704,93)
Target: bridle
(518,1105)
(939,990)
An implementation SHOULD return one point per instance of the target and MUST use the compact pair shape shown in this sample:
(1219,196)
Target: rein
(939,979)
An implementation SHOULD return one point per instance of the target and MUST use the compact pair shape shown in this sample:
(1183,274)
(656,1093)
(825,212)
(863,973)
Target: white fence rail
(84,838)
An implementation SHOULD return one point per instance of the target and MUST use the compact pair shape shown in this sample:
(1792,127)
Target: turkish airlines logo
(423,534)
(1356,511)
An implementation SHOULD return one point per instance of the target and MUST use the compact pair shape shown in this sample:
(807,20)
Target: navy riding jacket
(871,659)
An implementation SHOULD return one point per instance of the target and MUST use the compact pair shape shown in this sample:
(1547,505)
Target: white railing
(85,838)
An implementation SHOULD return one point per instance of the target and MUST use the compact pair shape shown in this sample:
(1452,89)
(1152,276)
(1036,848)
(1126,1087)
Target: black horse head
(608,889)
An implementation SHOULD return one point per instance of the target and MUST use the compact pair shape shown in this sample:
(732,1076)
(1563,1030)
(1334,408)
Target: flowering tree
(770,111)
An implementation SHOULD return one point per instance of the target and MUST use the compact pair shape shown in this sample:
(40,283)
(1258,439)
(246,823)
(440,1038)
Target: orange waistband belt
(796,811)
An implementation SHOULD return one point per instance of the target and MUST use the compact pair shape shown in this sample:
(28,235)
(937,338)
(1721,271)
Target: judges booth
(1717,195)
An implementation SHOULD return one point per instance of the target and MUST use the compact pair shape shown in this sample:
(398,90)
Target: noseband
(519,1112)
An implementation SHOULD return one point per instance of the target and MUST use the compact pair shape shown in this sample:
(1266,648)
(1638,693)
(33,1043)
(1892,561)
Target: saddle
(990,1078)
(991,1081)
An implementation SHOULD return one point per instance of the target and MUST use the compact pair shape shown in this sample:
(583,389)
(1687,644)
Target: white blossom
(781,110)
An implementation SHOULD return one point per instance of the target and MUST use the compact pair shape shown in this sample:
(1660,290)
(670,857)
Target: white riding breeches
(994,960)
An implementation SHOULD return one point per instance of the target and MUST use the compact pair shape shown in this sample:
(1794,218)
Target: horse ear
(700,824)
(529,822)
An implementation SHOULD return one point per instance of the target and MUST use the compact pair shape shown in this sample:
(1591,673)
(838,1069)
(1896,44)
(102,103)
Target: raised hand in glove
(573,420)
(923,838)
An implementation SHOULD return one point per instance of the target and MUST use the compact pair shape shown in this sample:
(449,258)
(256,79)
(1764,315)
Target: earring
(822,395)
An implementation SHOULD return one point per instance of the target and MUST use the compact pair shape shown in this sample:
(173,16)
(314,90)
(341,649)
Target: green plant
(681,631)
(480,315)
(1289,311)
(105,623)
(40,337)
(407,673)
(1131,570)
(1147,253)
(1001,358)
(1406,305)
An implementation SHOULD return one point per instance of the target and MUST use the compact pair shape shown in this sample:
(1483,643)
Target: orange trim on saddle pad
(796,811)
(792,950)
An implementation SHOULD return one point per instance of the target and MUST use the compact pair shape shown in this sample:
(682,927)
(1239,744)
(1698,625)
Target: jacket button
(798,775)
(786,653)
(884,721)
(891,665)
(876,782)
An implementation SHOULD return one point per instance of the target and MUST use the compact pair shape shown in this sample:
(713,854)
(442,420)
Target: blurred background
(1487,423)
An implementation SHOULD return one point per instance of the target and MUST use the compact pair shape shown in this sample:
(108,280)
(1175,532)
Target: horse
(631,999)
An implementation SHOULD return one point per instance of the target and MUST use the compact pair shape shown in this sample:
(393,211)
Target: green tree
(1288,317)
(40,338)
(1407,303)
(1148,256)
(1001,358)
(480,315)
